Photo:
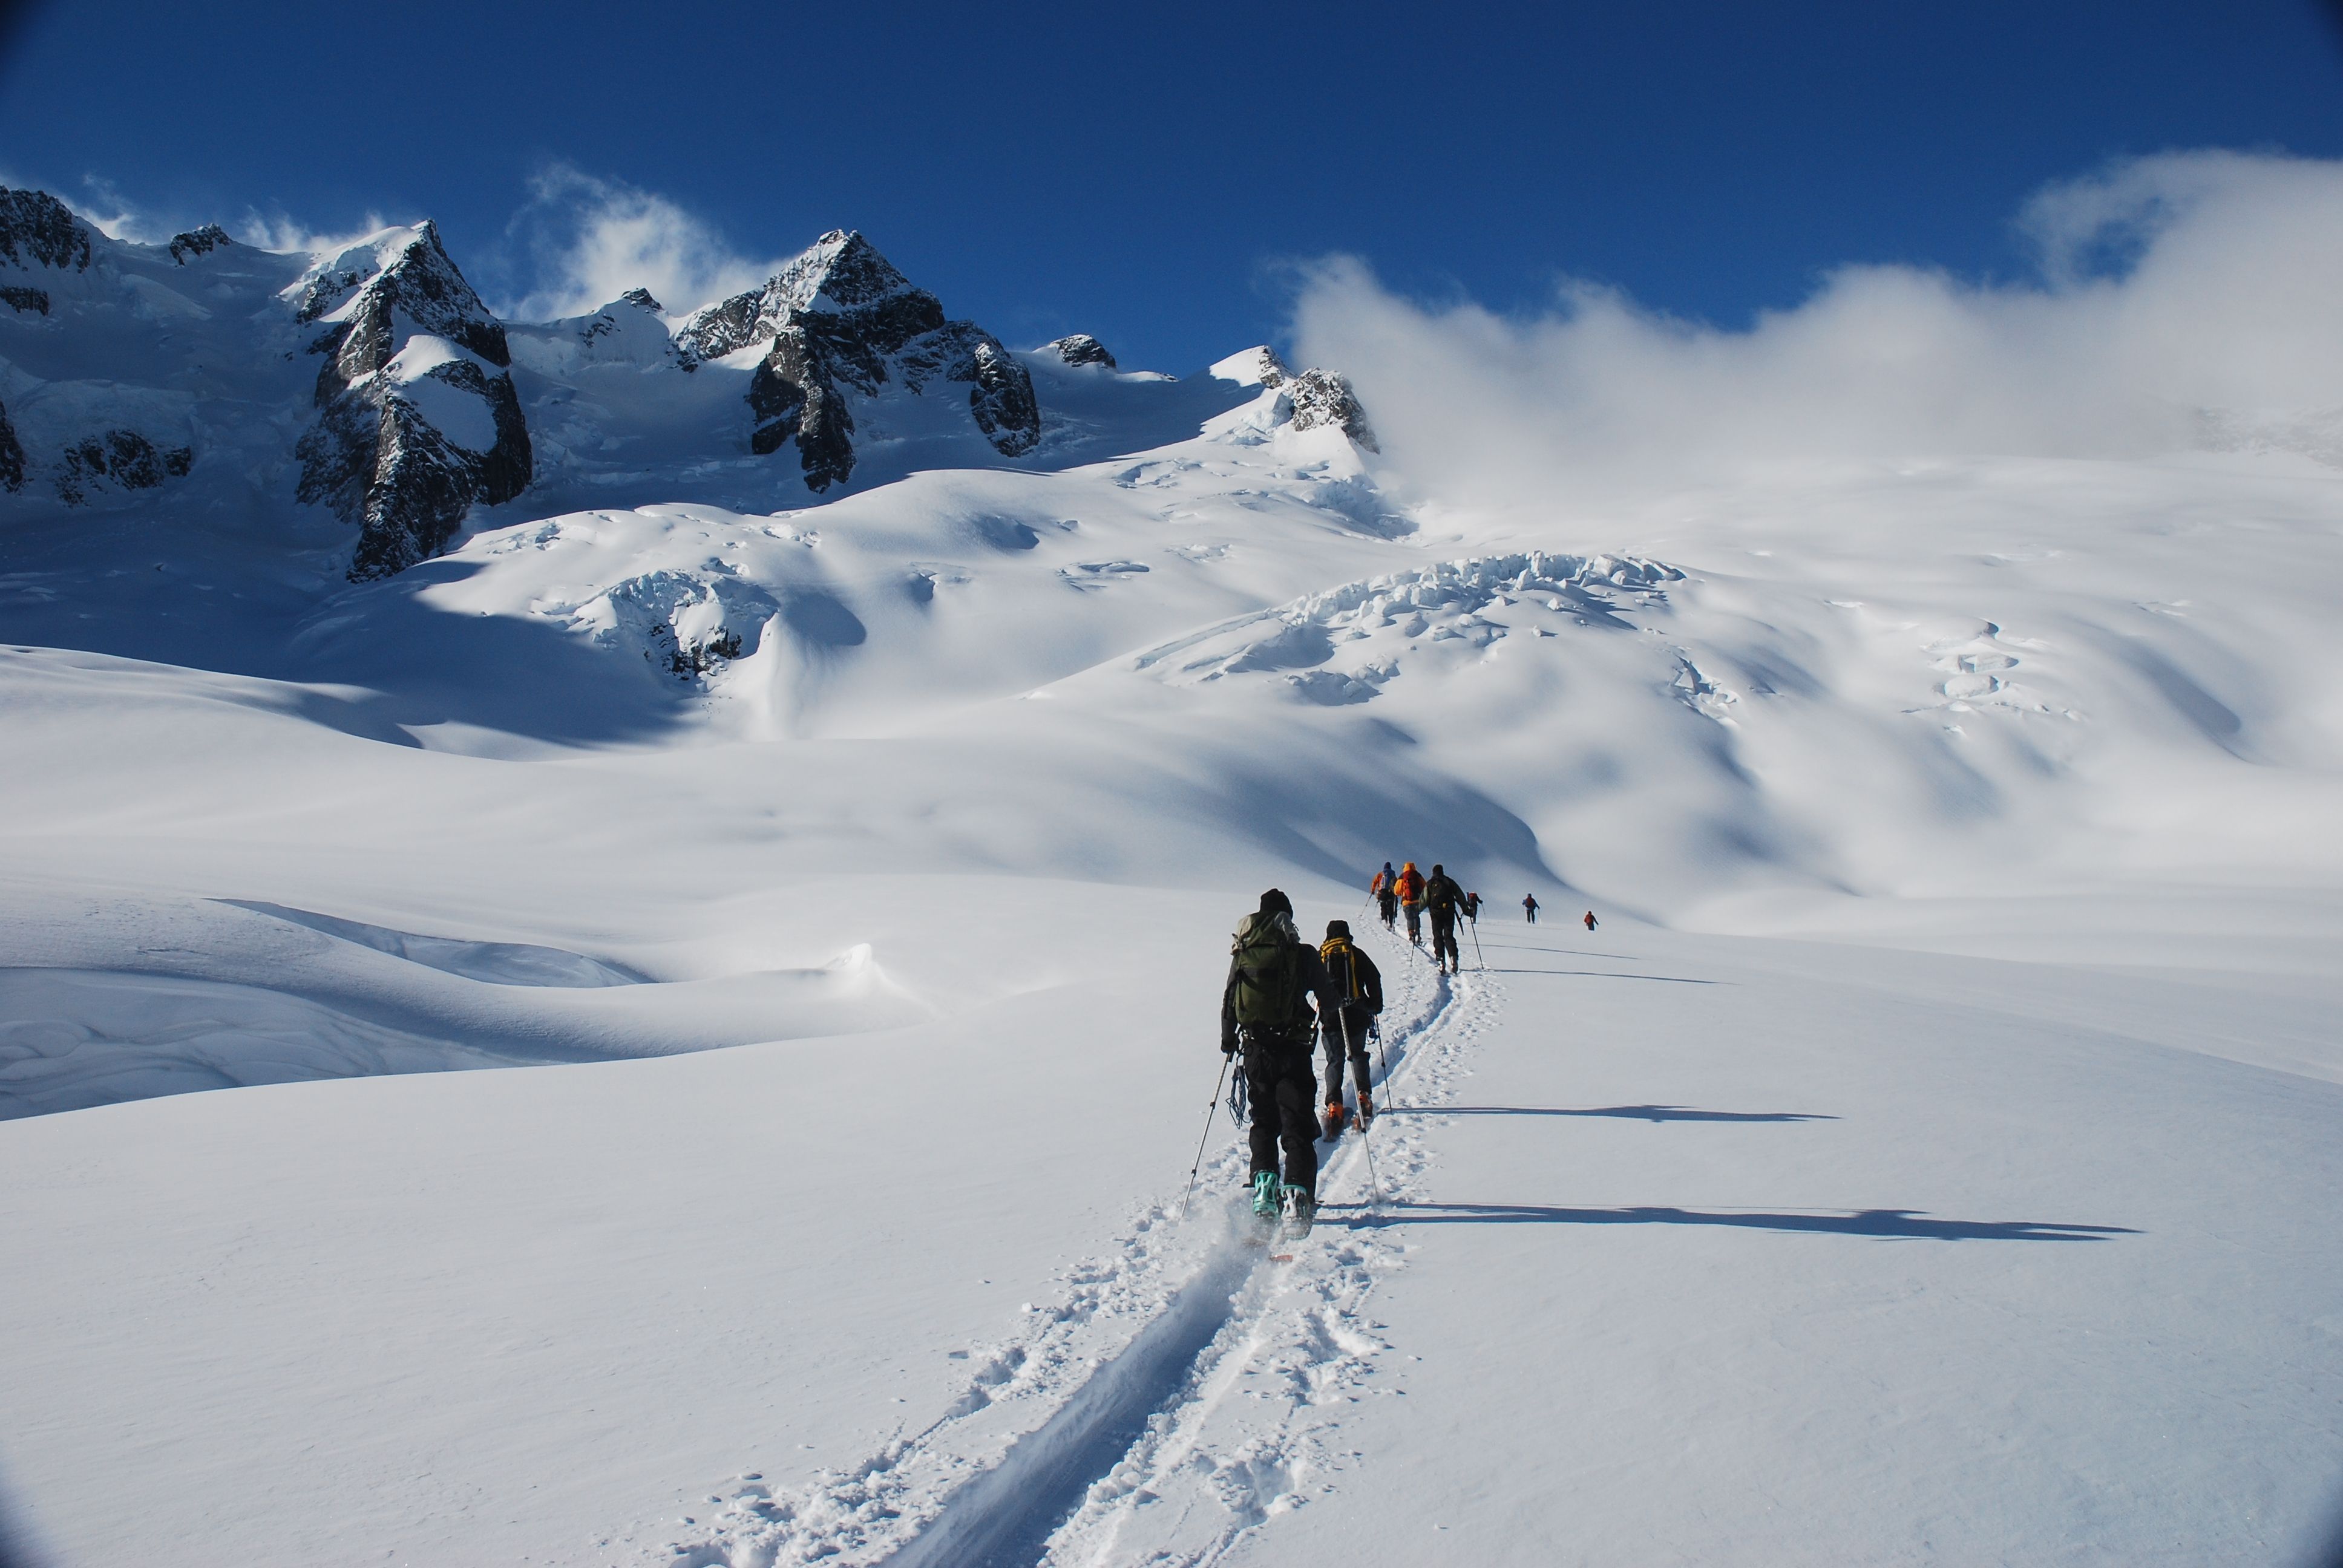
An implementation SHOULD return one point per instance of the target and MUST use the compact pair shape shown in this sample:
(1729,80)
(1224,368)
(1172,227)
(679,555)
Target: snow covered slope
(1929,1158)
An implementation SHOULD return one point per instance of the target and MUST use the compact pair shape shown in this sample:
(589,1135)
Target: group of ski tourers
(1410,892)
(1268,1022)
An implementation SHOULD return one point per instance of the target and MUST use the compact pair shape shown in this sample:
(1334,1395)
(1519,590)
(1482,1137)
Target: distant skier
(1441,895)
(1590,919)
(1358,988)
(1529,907)
(1411,898)
(1385,890)
(1265,1013)
(1473,908)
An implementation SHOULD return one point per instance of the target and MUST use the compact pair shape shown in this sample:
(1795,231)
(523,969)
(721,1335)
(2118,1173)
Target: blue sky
(1143,172)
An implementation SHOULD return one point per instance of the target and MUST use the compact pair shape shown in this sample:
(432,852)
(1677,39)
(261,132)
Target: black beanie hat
(1274,902)
(1437,870)
(1337,929)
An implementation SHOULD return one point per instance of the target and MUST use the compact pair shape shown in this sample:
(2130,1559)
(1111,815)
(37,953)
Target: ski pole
(1380,1057)
(1478,961)
(1211,1109)
(1374,1182)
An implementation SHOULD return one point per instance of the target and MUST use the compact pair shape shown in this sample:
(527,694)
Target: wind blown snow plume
(2184,301)
(589,240)
(288,235)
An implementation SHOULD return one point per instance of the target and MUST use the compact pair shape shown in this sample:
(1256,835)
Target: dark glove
(1228,1048)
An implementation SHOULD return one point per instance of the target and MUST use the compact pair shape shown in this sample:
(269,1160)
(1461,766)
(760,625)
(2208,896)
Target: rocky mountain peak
(1308,400)
(198,242)
(1080,348)
(840,271)
(36,229)
(640,298)
(1323,397)
(417,417)
(403,269)
(840,274)
(841,322)
(1255,367)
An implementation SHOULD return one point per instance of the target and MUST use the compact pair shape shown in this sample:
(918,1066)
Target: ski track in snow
(1090,1440)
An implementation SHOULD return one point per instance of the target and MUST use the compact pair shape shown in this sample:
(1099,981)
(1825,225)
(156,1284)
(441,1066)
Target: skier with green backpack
(1265,1013)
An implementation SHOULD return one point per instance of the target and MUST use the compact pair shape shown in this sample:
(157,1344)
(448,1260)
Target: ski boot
(1366,1111)
(1301,1207)
(1267,1201)
(1333,1123)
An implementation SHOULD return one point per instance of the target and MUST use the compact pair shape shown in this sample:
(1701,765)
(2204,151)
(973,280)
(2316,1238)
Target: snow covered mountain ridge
(128,368)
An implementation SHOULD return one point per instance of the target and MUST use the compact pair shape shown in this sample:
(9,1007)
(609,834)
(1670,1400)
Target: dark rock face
(124,457)
(198,242)
(839,319)
(26,298)
(640,298)
(373,456)
(686,659)
(36,229)
(11,454)
(423,483)
(715,330)
(1003,399)
(793,396)
(1316,397)
(1322,398)
(422,284)
(1081,348)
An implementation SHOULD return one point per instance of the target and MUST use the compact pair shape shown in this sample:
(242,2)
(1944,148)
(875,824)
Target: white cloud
(589,240)
(2181,299)
(279,232)
(105,208)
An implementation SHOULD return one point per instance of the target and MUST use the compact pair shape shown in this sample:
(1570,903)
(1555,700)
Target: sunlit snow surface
(1931,1158)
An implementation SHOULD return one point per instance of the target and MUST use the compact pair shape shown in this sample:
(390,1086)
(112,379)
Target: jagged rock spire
(841,321)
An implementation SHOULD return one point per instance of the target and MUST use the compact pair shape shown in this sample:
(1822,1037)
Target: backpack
(1341,964)
(1267,968)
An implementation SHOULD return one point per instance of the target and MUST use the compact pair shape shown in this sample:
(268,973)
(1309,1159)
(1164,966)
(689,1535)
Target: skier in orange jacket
(1411,898)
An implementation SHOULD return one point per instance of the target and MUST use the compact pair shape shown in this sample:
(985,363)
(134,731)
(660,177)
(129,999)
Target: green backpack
(1270,992)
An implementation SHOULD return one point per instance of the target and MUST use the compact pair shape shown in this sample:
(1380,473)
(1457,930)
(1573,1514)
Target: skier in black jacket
(1265,1013)
(1442,895)
(1358,986)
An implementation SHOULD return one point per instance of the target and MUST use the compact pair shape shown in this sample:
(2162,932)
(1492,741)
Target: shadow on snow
(1901,1224)
(1624,1112)
(1604,974)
